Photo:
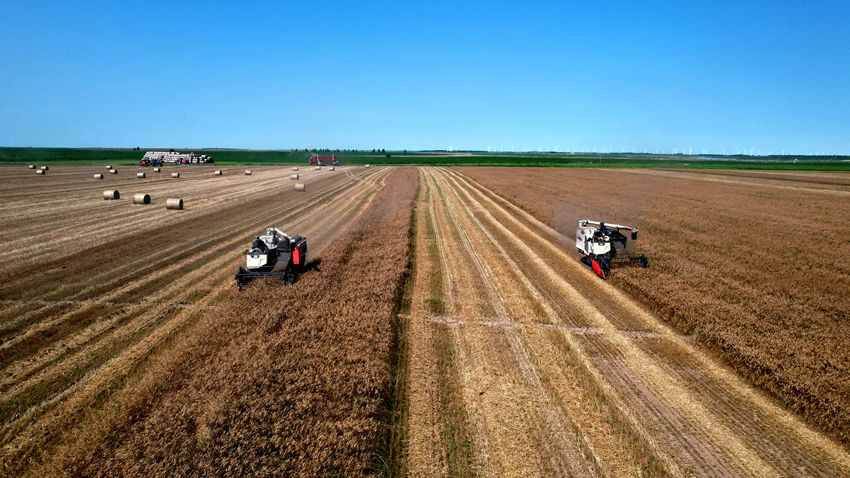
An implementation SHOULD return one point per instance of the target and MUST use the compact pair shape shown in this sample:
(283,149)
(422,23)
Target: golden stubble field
(524,363)
(444,327)
(96,294)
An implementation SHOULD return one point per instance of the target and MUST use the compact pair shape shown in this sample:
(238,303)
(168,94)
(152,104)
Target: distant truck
(317,160)
(150,162)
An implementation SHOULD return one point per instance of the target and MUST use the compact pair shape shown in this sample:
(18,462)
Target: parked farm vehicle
(317,160)
(150,162)
(276,255)
(604,246)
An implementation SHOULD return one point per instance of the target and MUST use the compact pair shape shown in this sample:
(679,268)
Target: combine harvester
(276,255)
(604,246)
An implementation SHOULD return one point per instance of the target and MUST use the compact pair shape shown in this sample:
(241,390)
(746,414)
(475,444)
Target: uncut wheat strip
(200,302)
(676,393)
(738,182)
(784,420)
(824,181)
(175,286)
(560,428)
(550,427)
(829,180)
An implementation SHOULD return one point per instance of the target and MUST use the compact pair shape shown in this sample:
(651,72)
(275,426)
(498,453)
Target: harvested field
(458,337)
(734,264)
(98,296)
(522,363)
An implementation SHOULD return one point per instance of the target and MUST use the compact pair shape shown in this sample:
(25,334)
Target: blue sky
(715,76)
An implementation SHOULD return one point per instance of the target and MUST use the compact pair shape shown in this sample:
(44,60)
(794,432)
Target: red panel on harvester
(598,269)
(296,256)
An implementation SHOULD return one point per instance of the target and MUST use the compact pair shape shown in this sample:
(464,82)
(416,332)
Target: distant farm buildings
(176,158)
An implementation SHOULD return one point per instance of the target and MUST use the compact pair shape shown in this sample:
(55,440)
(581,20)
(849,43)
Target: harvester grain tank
(603,246)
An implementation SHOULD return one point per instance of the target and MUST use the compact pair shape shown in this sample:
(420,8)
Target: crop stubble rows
(755,265)
(568,375)
(517,361)
(69,351)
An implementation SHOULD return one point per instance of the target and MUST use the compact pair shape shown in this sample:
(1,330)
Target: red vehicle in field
(317,160)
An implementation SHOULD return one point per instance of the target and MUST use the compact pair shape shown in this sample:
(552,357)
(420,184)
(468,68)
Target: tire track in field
(162,293)
(199,278)
(139,284)
(746,418)
(423,452)
(108,279)
(519,433)
(553,430)
(748,410)
(324,224)
(687,445)
(67,218)
(66,215)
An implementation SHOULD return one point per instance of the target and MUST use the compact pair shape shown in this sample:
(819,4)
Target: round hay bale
(45,168)
(39,171)
(174,203)
(108,166)
(140,175)
(98,176)
(295,168)
(156,170)
(300,187)
(113,171)
(332,168)
(218,172)
(31,166)
(141,198)
(318,168)
(111,194)
(368,166)
(175,175)
(294,177)
(248,172)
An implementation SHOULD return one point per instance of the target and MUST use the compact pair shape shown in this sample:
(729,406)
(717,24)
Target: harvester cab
(275,255)
(603,246)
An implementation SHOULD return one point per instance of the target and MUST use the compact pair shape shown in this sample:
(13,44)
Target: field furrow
(67,353)
(554,336)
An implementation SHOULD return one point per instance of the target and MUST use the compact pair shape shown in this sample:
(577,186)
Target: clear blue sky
(731,76)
